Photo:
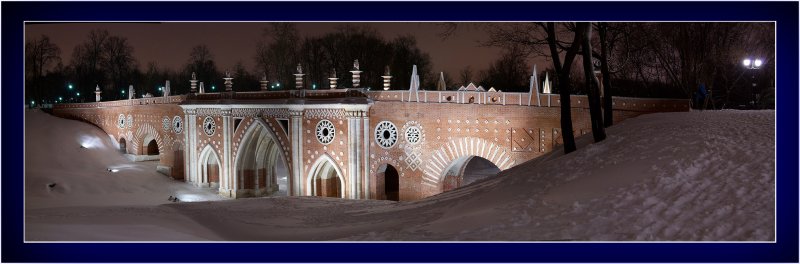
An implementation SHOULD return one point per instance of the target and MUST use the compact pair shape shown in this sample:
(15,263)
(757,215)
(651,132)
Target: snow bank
(671,176)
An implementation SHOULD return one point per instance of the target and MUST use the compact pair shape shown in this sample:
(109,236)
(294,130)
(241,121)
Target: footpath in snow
(669,176)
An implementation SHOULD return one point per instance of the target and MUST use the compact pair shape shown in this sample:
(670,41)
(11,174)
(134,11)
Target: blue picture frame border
(785,249)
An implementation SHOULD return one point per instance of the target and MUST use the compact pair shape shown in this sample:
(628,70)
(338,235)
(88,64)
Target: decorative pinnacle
(299,69)
(355,65)
(194,77)
(386,72)
(333,73)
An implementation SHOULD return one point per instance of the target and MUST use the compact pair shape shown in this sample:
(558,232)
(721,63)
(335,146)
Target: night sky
(169,44)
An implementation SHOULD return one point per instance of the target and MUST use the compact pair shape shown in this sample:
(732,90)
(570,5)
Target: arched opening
(152,148)
(261,169)
(148,147)
(209,168)
(122,145)
(388,183)
(178,163)
(466,170)
(326,179)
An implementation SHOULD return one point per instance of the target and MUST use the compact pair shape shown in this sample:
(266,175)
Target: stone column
(333,79)
(387,79)
(193,82)
(296,184)
(298,78)
(354,150)
(367,181)
(97,93)
(264,83)
(228,82)
(356,74)
(190,137)
(226,174)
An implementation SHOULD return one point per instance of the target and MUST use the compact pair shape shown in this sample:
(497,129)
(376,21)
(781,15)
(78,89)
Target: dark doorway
(122,147)
(152,148)
(392,183)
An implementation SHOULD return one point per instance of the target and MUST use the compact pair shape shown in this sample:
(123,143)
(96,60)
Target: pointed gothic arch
(257,159)
(325,178)
(209,168)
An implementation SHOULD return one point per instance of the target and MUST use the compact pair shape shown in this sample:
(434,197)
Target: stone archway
(461,148)
(145,134)
(259,157)
(123,145)
(466,170)
(325,179)
(209,168)
(388,183)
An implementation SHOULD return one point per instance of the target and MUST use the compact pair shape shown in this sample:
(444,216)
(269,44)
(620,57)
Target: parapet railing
(525,99)
(174,99)
(448,97)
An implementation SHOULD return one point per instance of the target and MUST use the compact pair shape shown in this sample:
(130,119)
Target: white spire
(441,85)
(414,79)
(546,86)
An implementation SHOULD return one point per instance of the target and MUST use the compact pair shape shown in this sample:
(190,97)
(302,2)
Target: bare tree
(40,54)
(544,39)
(465,75)
(201,62)
(117,60)
(608,106)
(592,85)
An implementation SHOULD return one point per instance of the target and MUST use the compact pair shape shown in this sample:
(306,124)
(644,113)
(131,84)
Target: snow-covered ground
(670,176)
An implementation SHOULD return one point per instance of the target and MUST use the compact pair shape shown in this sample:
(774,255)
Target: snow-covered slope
(671,176)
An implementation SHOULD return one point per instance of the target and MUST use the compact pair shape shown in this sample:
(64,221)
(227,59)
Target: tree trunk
(608,107)
(592,87)
(567,135)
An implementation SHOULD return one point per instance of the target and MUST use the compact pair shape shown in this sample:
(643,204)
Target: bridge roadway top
(361,97)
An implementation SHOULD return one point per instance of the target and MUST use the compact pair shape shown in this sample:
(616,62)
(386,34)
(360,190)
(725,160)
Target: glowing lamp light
(757,63)
(314,86)
(746,62)
(59,98)
(70,86)
(123,91)
(159,89)
(279,85)
(113,170)
(213,87)
(78,94)
(33,103)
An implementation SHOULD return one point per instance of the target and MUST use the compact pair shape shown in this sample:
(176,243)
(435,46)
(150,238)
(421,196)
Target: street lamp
(752,65)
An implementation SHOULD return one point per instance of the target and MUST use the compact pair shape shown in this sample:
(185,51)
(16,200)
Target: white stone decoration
(209,126)
(325,131)
(413,134)
(165,124)
(177,124)
(130,121)
(121,121)
(386,134)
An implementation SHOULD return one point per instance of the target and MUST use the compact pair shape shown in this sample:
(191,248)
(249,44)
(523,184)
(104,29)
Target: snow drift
(669,176)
